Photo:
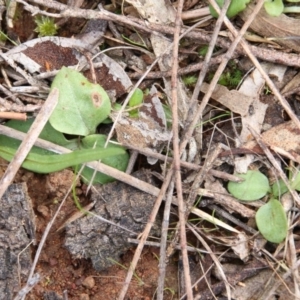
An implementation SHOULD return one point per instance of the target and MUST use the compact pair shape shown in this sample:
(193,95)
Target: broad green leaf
(272,222)
(274,7)
(81,105)
(254,186)
(48,133)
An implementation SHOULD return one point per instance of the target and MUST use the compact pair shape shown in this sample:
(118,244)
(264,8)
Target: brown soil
(61,272)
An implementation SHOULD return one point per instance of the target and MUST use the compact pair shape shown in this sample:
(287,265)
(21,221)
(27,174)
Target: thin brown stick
(176,152)
(163,243)
(13,115)
(211,253)
(195,13)
(148,152)
(148,227)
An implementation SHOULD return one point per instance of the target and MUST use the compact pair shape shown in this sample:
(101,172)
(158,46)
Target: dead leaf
(52,53)
(232,99)
(149,130)
(292,85)
(240,246)
(157,12)
(283,139)
(281,27)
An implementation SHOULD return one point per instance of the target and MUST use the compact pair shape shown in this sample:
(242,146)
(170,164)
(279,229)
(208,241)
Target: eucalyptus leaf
(254,186)
(272,222)
(81,105)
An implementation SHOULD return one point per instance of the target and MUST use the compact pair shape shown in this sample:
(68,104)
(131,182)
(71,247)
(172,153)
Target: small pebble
(84,297)
(43,210)
(89,282)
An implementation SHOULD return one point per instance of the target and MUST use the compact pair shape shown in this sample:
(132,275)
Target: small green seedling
(45,26)
(254,186)
(270,218)
(133,105)
(231,77)
(134,102)
(235,7)
(203,50)
(279,188)
(276,7)
(189,80)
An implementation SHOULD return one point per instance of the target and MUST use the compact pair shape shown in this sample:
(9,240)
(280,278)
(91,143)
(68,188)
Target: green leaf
(119,162)
(235,7)
(272,222)
(48,133)
(274,7)
(279,188)
(254,186)
(81,105)
(44,161)
(135,100)
(295,184)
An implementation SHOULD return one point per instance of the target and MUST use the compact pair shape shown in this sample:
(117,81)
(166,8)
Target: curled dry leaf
(283,139)
(149,130)
(283,28)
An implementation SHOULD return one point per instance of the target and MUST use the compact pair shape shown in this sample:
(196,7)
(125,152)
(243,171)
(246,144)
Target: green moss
(45,26)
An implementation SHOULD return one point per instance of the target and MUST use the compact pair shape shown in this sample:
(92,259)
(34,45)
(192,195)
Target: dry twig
(28,142)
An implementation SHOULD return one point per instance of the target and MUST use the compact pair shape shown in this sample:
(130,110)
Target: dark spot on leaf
(97,99)
(82,83)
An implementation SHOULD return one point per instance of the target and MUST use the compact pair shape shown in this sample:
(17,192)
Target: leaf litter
(220,228)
